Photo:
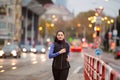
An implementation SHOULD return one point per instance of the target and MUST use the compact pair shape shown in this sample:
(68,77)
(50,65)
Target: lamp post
(84,31)
(46,30)
(115,34)
(32,32)
(26,24)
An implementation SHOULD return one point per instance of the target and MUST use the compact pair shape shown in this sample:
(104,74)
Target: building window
(3,10)
(10,12)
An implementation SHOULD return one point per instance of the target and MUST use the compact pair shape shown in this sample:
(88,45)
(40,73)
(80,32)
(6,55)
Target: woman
(59,51)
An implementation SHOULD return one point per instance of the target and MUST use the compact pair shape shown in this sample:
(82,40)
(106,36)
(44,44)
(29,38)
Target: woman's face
(60,36)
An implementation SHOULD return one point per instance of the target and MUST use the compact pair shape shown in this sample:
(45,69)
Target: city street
(29,27)
(37,67)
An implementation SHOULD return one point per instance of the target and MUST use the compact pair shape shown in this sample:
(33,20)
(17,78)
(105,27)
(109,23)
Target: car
(76,49)
(117,52)
(39,49)
(84,44)
(95,46)
(90,45)
(76,45)
(10,49)
(26,48)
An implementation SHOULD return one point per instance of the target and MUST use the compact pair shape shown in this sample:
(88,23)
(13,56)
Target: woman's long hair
(56,39)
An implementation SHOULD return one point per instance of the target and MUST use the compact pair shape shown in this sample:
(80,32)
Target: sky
(111,7)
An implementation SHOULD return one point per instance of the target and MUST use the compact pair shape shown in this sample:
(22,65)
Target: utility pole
(84,32)
(115,33)
(32,30)
(26,24)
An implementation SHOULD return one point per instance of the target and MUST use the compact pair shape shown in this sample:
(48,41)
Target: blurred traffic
(10,49)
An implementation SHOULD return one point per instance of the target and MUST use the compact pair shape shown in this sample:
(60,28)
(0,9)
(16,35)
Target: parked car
(39,49)
(117,52)
(10,50)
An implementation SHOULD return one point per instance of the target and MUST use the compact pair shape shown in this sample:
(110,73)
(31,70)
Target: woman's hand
(68,59)
(62,51)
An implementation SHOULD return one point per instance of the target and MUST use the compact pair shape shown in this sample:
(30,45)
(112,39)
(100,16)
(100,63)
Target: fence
(96,69)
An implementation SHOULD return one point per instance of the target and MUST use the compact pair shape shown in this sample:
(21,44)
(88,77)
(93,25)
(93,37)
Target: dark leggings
(60,74)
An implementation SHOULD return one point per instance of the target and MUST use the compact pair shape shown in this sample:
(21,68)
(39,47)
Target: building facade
(10,20)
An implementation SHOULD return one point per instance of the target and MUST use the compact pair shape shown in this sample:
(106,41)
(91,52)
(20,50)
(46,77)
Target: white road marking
(77,69)
(115,66)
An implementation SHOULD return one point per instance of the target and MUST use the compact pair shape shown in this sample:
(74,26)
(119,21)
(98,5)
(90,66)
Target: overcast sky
(111,7)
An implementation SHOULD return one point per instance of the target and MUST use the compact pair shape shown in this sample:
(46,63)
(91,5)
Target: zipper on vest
(61,57)
(61,60)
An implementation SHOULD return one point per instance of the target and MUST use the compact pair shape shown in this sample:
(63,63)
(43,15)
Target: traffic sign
(115,32)
(109,34)
(98,20)
(98,51)
(99,11)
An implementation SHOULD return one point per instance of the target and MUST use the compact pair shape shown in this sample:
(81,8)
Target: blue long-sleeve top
(51,54)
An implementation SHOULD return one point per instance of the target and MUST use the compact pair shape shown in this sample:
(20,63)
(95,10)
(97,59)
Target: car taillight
(118,53)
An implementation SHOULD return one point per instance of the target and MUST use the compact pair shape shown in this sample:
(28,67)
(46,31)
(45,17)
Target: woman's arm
(69,50)
(51,54)
(68,56)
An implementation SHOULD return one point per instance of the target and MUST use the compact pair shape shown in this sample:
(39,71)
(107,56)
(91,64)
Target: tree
(82,19)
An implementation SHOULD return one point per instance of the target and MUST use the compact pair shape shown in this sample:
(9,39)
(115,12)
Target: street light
(26,24)
(40,28)
(90,25)
(78,25)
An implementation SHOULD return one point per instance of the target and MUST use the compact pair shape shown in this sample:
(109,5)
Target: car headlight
(33,50)
(1,52)
(43,49)
(14,53)
(24,49)
(48,48)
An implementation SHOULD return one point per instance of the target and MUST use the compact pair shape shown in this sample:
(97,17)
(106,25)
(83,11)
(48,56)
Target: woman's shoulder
(52,44)
(67,43)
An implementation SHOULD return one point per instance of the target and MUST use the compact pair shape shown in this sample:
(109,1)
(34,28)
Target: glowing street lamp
(96,14)
(101,7)
(112,21)
(105,18)
(78,25)
(40,28)
(52,25)
(108,22)
(90,25)
(106,0)
(53,16)
(89,18)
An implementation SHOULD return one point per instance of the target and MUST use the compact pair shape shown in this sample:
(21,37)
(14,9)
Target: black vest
(60,62)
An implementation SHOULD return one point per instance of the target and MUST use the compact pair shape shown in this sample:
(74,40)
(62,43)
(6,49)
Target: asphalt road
(38,67)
